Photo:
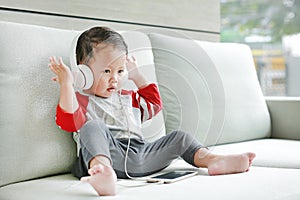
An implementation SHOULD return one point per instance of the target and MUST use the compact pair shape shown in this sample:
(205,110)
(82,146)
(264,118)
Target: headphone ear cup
(82,74)
(84,78)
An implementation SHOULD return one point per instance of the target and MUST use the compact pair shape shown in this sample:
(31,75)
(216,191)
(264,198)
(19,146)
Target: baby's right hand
(63,73)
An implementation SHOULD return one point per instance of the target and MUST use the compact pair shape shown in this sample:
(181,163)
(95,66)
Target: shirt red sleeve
(72,122)
(148,100)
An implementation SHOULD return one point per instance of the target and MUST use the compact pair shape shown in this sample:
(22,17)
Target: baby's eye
(107,71)
(121,71)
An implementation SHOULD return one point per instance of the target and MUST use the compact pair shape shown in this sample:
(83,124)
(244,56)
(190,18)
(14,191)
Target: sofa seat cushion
(269,152)
(258,183)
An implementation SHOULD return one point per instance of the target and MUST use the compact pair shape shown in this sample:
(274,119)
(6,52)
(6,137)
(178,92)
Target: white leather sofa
(208,89)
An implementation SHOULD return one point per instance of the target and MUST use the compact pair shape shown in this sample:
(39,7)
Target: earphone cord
(128,144)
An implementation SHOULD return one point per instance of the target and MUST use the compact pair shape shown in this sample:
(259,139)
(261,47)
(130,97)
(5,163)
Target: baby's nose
(114,78)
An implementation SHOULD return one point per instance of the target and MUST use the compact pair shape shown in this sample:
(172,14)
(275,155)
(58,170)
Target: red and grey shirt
(122,112)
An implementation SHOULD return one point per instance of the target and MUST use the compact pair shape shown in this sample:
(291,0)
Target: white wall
(198,19)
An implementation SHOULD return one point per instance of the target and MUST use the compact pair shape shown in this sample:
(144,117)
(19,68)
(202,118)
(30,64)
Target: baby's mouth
(111,89)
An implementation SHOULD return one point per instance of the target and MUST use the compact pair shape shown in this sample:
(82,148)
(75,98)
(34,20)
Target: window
(272,30)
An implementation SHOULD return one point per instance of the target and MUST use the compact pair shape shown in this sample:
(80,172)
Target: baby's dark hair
(89,39)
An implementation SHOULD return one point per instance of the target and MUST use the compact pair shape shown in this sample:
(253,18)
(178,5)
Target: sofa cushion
(258,183)
(30,140)
(210,90)
(29,136)
(269,152)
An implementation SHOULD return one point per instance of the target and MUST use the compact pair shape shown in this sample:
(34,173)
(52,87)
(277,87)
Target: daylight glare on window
(272,30)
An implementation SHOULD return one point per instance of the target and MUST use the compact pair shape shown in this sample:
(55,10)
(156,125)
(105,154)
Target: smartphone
(171,177)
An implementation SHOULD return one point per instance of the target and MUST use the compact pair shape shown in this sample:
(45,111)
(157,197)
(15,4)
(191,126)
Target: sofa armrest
(285,117)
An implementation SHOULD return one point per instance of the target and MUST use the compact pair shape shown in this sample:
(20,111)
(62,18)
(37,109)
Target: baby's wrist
(134,73)
(66,84)
(140,81)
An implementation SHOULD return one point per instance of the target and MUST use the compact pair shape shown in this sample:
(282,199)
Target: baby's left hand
(135,74)
(132,68)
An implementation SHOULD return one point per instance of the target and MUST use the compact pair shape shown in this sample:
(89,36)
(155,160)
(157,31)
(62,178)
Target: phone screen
(172,175)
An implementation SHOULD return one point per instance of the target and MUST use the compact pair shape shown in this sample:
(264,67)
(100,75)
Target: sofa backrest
(210,90)
(32,145)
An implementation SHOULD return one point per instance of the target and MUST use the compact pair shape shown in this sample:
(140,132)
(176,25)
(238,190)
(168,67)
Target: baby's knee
(182,138)
(180,134)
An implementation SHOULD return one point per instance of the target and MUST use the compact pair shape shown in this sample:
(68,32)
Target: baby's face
(109,68)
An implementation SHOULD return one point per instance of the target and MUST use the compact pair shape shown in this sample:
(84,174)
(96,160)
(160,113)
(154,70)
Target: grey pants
(144,158)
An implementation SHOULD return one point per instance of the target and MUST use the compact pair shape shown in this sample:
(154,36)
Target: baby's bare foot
(230,164)
(103,179)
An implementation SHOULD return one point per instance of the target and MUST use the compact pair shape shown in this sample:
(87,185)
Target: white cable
(128,144)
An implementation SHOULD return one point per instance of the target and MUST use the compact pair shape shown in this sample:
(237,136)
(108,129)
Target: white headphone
(82,74)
